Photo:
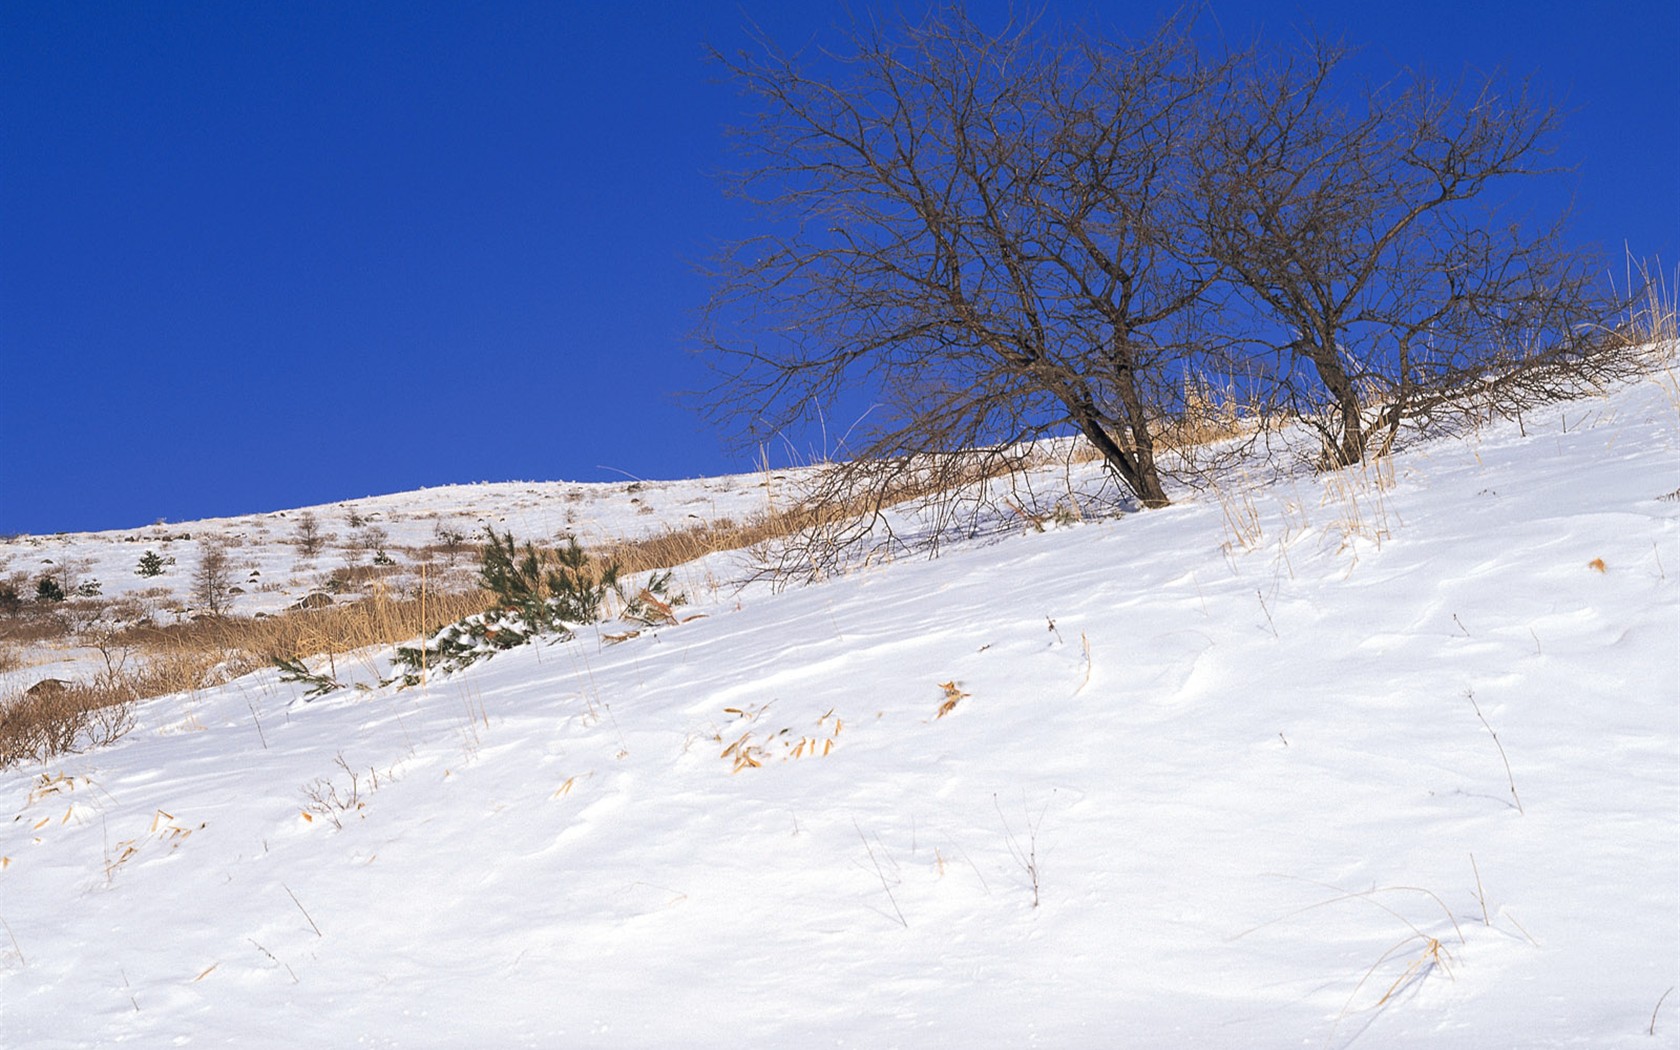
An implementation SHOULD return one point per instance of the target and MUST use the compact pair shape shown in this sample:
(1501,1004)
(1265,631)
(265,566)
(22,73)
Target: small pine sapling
(578,588)
(537,592)
(295,671)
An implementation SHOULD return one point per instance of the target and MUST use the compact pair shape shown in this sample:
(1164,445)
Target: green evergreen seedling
(294,671)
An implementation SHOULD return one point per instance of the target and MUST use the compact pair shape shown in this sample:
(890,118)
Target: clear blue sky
(255,256)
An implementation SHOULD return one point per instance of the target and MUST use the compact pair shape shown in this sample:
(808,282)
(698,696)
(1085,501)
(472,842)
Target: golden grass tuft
(751,751)
(1208,415)
(1653,316)
(953,695)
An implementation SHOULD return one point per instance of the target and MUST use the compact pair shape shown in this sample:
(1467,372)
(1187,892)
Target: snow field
(1204,784)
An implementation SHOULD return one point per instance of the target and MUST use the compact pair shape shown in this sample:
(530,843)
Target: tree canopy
(999,236)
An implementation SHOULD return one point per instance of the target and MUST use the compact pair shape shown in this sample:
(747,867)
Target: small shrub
(307,535)
(324,799)
(48,590)
(561,586)
(60,722)
(151,564)
(465,642)
(294,671)
(368,539)
(88,589)
(656,603)
(212,584)
(451,540)
(537,592)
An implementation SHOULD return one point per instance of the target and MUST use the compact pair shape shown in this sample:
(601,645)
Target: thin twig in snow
(1470,695)
(15,945)
(1027,858)
(1268,613)
(1481,898)
(881,875)
(258,722)
(1652,1030)
(271,955)
(301,908)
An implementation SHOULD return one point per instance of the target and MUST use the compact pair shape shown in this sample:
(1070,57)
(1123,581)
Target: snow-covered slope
(1222,775)
(264,553)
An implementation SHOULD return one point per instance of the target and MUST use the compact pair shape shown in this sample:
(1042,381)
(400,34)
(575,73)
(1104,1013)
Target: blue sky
(255,256)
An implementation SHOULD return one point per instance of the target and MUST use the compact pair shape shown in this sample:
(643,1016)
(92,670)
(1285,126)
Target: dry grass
(1241,515)
(60,721)
(1208,415)
(382,619)
(146,660)
(953,696)
(680,546)
(839,497)
(1653,317)
(1358,498)
(845,494)
(753,748)
(36,626)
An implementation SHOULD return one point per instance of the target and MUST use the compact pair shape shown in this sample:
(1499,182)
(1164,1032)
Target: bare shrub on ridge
(212,579)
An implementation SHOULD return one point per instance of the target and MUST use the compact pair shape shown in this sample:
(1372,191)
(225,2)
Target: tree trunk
(1148,485)
(1335,378)
(1142,478)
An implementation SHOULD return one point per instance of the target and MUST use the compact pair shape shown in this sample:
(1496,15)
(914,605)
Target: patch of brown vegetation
(35,727)
(35,626)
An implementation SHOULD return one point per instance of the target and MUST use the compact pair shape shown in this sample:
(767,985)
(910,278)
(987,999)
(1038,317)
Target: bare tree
(211,581)
(1367,233)
(993,238)
(307,534)
(984,233)
(369,539)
